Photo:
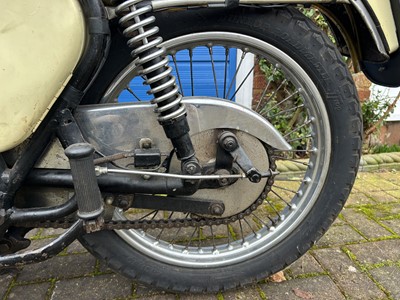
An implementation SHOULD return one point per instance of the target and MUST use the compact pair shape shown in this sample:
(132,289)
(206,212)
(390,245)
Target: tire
(335,163)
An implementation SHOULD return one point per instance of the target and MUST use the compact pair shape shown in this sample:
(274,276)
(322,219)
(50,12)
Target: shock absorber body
(152,57)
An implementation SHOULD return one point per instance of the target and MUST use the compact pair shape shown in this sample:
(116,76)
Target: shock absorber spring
(136,21)
(152,57)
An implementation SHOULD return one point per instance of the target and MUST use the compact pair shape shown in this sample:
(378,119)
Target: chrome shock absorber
(152,57)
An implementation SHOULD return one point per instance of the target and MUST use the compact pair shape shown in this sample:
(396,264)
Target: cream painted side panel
(383,11)
(41,42)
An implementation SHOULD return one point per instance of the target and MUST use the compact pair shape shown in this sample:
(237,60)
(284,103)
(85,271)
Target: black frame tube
(46,252)
(113,183)
(20,216)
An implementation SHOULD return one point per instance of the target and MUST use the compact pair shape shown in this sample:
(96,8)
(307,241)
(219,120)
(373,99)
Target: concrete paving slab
(305,265)
(59,267)
(5,281)
(36,291)
(202,296)
(382,196)
(377,252)
(393,225)
(110,286)
(340,235)
(367,227)
(358,198)
(369,268)
(354,283)
(320,287)
(389,278)
(246,293)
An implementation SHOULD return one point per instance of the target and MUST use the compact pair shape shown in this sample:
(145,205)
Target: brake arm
(229,142)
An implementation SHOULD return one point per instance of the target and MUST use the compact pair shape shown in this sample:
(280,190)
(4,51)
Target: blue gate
(198,79)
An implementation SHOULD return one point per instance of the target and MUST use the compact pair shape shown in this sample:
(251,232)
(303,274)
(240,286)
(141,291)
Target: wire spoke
(299,127)
(283,101)
(191,238)
(212,237)
(228,234)
(276,91)
(132,93)
(280,197)
(152,218)
(226,69)
(287,110)
(292,160)
(241,230)
(288,180)
(260,220)
(251,228)
(159,235)
(264,109)
(273,222)
(210,51)
(199,237)
(150,213)
(294,150)
(300,138)
(284,189)
(177,74)
(191,70)
(242,83)
(178,231)
(273,208)
(266,89)
(236,72)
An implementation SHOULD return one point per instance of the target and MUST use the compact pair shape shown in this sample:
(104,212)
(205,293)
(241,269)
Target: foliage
(318,18)
(284,109)
(271,73)
(385,148)
(374,109)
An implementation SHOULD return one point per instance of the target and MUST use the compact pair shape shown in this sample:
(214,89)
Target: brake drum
(241,194)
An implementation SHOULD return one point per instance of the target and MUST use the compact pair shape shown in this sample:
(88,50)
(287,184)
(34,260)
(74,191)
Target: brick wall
(363,86)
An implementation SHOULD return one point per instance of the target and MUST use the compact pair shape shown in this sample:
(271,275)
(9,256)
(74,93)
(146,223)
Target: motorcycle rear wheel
(296,46)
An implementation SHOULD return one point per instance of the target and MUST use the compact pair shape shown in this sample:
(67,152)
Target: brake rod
(105,170)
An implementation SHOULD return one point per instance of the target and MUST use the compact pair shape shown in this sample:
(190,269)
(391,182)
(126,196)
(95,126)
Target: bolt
(191,168)
(230,143)
(145,143)
(109,200)
(217,209)
(254,176)
(123,203)
(146,177)
(224,181)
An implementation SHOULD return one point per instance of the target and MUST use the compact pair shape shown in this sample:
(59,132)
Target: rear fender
(353,36)
(365,29)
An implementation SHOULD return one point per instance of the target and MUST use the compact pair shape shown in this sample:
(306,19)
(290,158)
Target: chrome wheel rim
(298,200)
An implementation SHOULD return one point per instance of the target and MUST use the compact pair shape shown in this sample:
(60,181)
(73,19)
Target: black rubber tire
(290,31)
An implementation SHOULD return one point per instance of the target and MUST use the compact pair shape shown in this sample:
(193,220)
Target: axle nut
(217,209)
(254,176)
(228,141)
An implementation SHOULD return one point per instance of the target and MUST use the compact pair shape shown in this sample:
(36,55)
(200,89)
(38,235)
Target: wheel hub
(241,194)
